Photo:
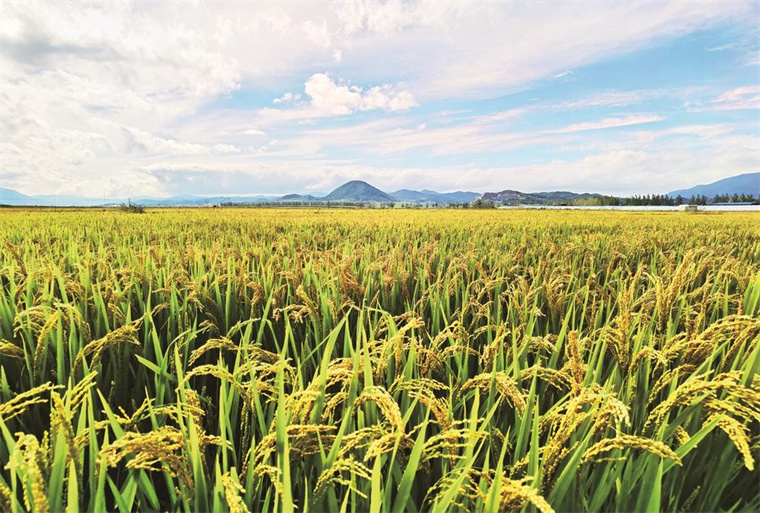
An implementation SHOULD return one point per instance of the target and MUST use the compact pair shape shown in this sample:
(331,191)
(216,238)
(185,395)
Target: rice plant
(283,360)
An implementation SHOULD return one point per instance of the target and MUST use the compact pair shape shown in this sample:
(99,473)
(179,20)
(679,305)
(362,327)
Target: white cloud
(225,148)
(338,98)
(478,134)
(634,119)
(739,98)
(722,48)
(287,98)
(606,99)
(327,97)
(145,142)
(483,49)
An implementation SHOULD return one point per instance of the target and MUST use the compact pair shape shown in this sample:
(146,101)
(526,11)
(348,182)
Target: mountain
(358,191)
(558,196)
(748,183)
(299,197)
(11,197)
(428,196)
(510,197)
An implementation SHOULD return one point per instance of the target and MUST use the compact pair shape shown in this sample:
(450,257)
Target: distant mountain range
(748,183)
(357,191)
(11,197)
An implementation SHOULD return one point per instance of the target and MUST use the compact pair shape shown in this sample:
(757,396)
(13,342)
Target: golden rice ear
(28,458)
(222,344)
(385,402)
(630,442)
(423,390)
(505,385)
(681,435)
(739,435)
(161,450)
(10,350)
(516,494)
(234,492)
(450,442)
(60,421)
(21,402)
(577,366)
(559,379)
(6,500)
(614,414)
(123,335)
(342,472)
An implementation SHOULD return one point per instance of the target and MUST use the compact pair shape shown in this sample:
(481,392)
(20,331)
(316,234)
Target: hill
(510,197)
(299,197)
(748,183)
(561,196)
(11,197)
(358,191)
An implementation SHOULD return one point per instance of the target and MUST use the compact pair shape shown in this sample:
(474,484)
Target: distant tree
(479,203)
(652,200)
(131,208)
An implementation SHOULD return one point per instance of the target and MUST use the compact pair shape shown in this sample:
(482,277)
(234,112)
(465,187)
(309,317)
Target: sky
(167,98)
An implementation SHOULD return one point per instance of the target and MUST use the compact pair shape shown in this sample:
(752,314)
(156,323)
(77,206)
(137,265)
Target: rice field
(379,361)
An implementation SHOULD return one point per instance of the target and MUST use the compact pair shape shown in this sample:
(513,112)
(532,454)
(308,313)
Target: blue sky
(271,98)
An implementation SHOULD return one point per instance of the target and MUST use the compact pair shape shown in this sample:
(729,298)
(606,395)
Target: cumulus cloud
(338,98)
(287,98)
(325,96)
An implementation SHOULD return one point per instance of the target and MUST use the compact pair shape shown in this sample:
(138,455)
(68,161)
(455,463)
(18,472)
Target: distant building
(688,208)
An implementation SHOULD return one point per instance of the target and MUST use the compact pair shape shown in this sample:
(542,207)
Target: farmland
(299,360)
